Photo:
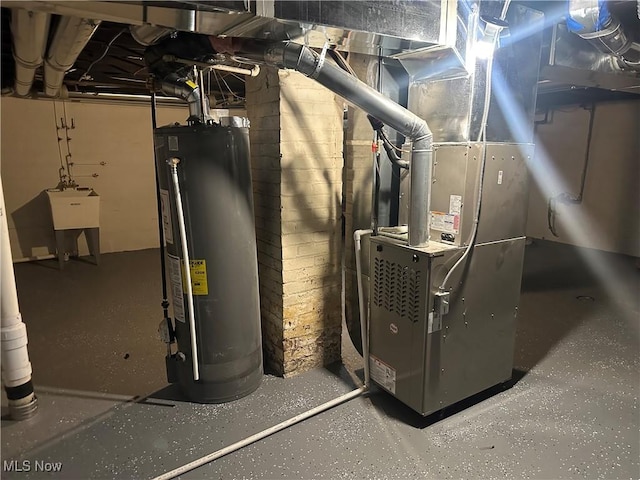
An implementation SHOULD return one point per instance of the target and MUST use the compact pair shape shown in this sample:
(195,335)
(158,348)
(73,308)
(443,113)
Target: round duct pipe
(148,34)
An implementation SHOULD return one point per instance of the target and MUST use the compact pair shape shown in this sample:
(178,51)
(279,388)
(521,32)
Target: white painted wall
(118,134)
(609,216)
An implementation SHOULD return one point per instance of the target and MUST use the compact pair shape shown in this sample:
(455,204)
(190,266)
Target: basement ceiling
(112,62)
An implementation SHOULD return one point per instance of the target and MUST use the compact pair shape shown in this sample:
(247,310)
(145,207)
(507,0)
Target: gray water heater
(214,175)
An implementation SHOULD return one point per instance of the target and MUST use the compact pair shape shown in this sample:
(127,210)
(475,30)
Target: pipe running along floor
(105,410)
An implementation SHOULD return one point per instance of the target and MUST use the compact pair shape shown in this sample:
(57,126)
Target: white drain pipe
(364,313)
(173,162)
(16,368)
(303,416)
(260,435)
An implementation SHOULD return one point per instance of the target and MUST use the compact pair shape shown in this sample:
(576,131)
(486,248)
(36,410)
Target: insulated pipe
(173,162)
(300,58)
(70,38)
(364,319)
(189,91)
(16,368)
(30,31)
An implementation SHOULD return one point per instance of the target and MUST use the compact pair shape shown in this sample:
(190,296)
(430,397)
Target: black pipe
(165,301)
(391,152)
(308,62)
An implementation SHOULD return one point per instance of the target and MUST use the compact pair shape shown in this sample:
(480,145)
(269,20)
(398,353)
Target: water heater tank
(214,175)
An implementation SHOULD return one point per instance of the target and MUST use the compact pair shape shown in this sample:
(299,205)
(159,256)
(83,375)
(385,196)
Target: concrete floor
(107,412)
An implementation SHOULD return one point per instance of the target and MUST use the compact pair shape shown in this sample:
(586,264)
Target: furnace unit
(433,345)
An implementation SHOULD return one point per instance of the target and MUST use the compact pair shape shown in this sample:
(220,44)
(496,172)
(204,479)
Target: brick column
(296,143)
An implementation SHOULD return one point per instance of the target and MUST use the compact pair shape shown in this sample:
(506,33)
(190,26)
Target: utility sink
(74,208)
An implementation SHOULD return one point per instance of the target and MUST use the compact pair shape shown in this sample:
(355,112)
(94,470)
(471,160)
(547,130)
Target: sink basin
(74,208)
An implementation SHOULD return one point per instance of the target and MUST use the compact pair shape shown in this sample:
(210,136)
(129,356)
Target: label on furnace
(382,374)
(445,222)
(455,204)
(175,278)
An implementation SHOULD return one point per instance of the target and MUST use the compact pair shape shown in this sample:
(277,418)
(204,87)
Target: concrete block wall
(296,143)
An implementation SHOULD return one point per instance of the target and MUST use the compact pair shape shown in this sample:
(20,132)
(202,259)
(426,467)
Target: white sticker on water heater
(175,277)
(382,374)
(166,216)
(500,172)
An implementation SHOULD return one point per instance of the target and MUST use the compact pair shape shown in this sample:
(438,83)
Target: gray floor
(106,411)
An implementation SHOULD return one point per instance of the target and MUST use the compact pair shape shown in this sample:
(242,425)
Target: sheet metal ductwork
(30,31)
(592,20)
(71,36)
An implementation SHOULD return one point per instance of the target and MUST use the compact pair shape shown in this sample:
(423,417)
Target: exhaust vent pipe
(591,20)
(70,38)
(298,57)
(30,31)
(177,86)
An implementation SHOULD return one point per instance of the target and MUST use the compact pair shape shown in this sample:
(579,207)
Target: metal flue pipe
(70,38)
(300,58)
(16,368)
(177,86)
(30,31)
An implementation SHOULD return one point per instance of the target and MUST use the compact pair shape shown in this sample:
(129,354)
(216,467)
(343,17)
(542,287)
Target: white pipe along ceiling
(30,31)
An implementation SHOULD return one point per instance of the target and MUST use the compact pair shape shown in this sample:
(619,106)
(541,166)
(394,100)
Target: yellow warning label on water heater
(198,277)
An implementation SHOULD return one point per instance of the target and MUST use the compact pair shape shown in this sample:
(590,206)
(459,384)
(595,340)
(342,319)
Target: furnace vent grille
(396,288)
